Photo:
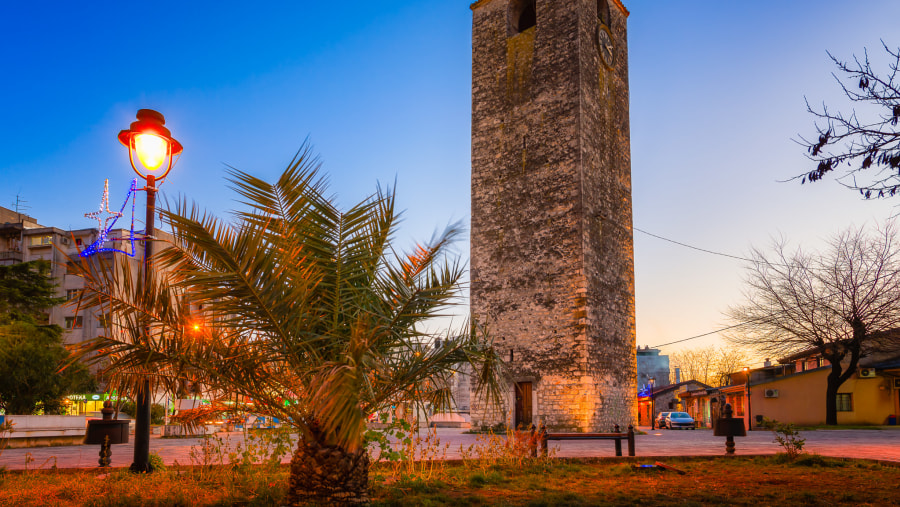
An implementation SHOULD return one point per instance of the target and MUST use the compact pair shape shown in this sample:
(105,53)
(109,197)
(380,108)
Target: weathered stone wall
(552,255)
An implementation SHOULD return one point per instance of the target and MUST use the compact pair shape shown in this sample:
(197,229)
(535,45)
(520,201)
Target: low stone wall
(451,420)
(46,430)
(173,430)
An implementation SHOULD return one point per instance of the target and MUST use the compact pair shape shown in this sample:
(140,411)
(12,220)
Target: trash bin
(892,420)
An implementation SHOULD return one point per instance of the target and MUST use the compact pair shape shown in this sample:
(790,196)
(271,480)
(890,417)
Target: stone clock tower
(552,278)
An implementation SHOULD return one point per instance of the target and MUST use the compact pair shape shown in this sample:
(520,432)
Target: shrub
(157,463)
(814,460)
(787,436)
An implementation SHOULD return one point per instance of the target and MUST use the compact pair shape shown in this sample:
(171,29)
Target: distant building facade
(665,399)
(23,239)
(652,365)
(793,391)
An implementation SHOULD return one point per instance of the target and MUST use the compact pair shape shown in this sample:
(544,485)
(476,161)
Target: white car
(676,420)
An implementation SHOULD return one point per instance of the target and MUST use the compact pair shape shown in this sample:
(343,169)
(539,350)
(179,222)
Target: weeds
(514,448)
(814,460)
(479,479)
(787,436)
(409,454)
(379,443)
(29,459)
(259,447)
(156,462)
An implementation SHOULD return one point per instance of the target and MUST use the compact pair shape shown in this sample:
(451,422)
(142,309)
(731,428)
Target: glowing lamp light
(196,327)
(151,142)
(151,150)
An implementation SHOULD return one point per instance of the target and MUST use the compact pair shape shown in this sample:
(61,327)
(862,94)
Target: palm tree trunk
(323,474)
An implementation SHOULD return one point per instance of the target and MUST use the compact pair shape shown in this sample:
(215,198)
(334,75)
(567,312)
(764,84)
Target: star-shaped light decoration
(105,225)
(104,203)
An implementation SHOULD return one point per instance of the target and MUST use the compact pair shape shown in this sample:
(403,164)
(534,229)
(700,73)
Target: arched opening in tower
(603,12)
(522,15)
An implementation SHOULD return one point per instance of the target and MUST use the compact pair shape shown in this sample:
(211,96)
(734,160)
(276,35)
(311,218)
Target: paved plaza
(881,444)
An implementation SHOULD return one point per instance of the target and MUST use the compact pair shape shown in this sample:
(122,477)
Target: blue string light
(97,246)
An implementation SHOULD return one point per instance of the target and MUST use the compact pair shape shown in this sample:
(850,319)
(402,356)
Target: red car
(661,419)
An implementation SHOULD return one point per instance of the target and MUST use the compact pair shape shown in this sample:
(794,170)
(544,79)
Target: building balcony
(15,257)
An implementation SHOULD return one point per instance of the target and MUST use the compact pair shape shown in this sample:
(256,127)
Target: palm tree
(308,311)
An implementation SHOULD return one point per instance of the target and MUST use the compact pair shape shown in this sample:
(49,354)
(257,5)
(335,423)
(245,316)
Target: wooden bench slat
(543,437)
(585,436)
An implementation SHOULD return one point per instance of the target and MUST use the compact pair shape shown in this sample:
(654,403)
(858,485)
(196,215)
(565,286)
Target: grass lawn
(758,481)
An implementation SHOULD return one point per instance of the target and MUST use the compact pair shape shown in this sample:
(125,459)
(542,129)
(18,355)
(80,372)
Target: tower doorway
(523,405)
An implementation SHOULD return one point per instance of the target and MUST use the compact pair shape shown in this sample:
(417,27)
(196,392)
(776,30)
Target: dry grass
(809,480)
(174,487)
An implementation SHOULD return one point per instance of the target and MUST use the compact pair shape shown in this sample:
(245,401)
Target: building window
(41,240)
(522,15)
(737,405)
(74,322)
(845,402)
(603,12)
(72,294)
(103,320)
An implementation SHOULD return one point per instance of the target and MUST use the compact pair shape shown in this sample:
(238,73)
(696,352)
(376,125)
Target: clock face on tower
(607,50)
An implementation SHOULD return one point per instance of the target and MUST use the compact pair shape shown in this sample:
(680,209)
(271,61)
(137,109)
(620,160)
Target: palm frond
(308,311)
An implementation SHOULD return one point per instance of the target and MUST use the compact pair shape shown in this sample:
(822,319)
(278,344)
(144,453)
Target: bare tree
(866,140)
(840,303)
(710,365)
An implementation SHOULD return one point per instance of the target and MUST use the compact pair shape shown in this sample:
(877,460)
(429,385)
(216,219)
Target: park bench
(617,436)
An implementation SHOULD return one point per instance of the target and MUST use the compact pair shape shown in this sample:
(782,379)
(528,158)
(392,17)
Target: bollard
(630,440)
(542,436)
(618,442)
(532,441)
(106,432)
(729,427)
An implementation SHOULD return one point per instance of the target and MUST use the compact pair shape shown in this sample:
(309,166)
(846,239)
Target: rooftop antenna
(20,206)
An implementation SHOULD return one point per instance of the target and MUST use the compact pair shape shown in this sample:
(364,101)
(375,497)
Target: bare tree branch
(868,141)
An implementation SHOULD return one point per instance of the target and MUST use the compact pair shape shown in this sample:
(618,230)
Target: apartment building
(23,239)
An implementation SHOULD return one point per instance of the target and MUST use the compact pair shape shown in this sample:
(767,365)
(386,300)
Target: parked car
(680,420)
(661,419)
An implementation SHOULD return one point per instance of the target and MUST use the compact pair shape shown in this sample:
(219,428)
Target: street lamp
(651,381)
(749,415)
(152,144)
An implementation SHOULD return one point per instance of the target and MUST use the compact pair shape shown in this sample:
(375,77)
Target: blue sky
(382,90)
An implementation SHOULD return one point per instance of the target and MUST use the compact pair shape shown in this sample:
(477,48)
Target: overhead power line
(721,254)
(704,334)
(679,243)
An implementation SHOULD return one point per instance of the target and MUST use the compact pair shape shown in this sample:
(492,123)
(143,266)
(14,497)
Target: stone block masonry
(552,244)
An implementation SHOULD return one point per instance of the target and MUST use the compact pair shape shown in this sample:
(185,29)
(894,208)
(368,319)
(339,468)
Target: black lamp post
(749,414)
(652,381)
(155,148)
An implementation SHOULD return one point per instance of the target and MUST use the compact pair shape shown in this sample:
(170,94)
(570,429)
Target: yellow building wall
(873,401)
(801,399)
